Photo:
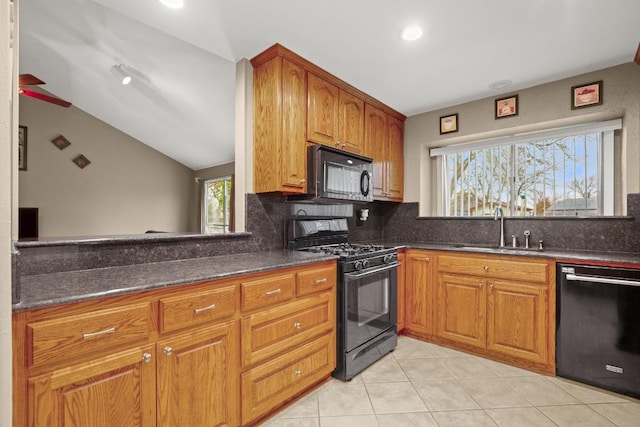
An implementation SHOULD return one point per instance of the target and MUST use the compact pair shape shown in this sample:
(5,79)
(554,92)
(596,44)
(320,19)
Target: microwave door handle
(365,183)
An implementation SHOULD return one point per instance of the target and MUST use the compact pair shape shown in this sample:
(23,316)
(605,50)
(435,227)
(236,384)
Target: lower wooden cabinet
(501,307)
(274,382)
(197,378)
(115,390)
(402,268)
(173,357)
(418,293)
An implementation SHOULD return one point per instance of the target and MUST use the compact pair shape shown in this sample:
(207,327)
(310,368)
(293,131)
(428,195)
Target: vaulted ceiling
(182,101)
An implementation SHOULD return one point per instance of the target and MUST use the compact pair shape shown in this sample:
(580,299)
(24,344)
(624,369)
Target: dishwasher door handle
(605,280)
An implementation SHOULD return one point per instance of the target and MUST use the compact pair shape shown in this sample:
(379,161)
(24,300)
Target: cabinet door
(198,378)
(114,390)
(402,268)
(516,319)
(322,113)
(351,122)
(418,293)
(395,159)
(375,135)
(294,150)
(461,305)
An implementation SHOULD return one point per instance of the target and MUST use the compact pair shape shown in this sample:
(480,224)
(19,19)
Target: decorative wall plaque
(81,161)
(61,142)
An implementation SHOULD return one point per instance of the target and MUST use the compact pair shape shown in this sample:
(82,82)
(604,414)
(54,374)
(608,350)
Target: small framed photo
(507,107)
(586,95)
(22,148)
(449,123)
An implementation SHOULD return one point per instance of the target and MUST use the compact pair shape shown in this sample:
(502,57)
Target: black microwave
(335,175)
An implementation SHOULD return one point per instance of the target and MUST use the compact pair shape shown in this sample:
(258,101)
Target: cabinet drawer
(524,270)
(279,329)
(57,339)
(191,309)
(267,291)
(316,280)
(268,386)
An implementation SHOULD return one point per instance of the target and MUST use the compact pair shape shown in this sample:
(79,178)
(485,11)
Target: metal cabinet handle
(480,285)
(297,325)
(297,373)
(168,351)
(110,330)
(491,286)
(302,181)
(427,259)
(273,292)
(146,357)
(323,280)
(486,268)
(200,310)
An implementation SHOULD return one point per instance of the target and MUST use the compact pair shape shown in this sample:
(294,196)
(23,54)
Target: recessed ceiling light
(123,73)
(173,4)
(411,33)
(500,84)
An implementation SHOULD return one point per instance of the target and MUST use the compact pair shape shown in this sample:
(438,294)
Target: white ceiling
(184,105)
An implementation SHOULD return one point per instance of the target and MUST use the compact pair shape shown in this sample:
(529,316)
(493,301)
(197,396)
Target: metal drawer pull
(297,373)
(275,291)
(111,330)
(480,285)
(200,310)
(427,259)
(168,351)
(486,268)
(323,280)
(297,325)
(146,357)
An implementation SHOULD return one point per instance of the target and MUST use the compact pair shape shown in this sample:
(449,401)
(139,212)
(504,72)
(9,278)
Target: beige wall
(540,107)
(128,188)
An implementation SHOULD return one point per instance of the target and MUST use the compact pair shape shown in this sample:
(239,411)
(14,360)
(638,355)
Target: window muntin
(217,206)
(561,176)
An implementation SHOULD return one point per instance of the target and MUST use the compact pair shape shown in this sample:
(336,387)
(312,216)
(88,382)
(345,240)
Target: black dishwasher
(598,326)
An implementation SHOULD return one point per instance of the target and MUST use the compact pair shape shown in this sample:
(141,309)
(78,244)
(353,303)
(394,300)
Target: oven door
(370,304)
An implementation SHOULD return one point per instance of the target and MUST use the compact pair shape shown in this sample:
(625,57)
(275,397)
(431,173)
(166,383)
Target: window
(560,172)
(217,214)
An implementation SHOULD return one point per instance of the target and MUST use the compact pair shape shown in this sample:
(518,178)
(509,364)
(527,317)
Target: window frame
(605,165)
(227,225)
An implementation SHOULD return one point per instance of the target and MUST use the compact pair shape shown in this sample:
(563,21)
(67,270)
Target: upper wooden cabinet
(334,116)
(280,151)
(296,103)
(384,136)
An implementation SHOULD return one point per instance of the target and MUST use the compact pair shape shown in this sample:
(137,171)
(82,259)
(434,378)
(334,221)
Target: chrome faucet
(500,214)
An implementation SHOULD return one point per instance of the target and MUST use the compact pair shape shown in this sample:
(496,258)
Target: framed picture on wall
(586,95)
(22,148)
(449,123)
(507,107)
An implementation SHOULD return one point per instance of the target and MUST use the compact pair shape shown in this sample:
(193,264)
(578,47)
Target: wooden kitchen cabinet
(418,293)
(173,356)
(296,103)
(280,151)
(118,389)
(197,377)
(402,268)
(384,136)
(501,307)
(334,116)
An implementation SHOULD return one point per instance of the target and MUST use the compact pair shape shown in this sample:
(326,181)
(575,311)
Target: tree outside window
(218,205)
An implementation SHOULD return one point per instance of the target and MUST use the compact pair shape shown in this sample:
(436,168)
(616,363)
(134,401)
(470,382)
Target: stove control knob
(388,258)
(365,263)
(358,265)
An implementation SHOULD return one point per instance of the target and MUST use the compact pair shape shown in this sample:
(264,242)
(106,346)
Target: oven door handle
(375,270)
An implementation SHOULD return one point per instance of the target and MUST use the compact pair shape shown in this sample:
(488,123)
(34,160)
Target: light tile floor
(422,384)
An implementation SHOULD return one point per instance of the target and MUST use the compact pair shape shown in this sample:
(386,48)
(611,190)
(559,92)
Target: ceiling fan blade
(29,80)
(637,59)
(43,97)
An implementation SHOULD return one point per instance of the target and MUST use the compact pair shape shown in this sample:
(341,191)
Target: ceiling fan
(31,80)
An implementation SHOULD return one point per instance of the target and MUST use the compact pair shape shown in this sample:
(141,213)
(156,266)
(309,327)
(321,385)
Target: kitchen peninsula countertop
(43,290)
(605,257)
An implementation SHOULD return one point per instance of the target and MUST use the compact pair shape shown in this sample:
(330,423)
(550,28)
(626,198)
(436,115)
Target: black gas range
(366,314)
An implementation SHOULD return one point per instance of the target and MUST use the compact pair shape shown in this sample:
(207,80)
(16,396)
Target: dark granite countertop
(630,258)
(71,286)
